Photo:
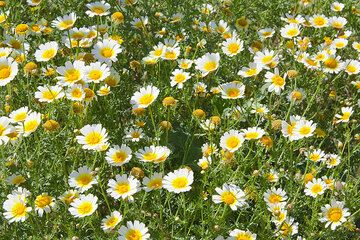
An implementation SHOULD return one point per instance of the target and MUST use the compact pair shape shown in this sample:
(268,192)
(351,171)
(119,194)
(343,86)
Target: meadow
(193,119)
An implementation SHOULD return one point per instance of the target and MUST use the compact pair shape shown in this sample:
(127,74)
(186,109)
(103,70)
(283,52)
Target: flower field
(194,119)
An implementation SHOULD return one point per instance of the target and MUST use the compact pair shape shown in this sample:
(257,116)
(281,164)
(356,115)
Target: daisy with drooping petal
(82,179)
(230,195)
(93,137)
(103,91)
(253,133)
(242,235)
(144,97)
(179,181)
(315,188)
(69,196)
(266,33)
(8,70)
(46,51)
(231,140)
(232,90)
(16,209)
(153,182)
(16,179)
(275,196)
(334,214)
(118,156)
(98,9)
(266,58)
(49,93)
(277,82)
(31,123)
(44,203)
(251,71)
(65,22)
(71,73)
(288,129)
(110,221)
(106,51)
(178,78)
(134,230)
(123,186)
(75,93)
(96,72)
(83,206)
(232,46)
(207,63)
(346,113)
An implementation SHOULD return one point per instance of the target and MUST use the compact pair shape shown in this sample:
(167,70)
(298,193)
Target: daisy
(296,96)
(304,128)
(134,230)
(185,63)
(204,163)
(179,77)
(103,91)
(232,46)
(208,149)
(251,71)
(96,72)
(315,188)
(253,133)
(82,179)
(3,16)
(337,22)
(337,7)
(31,123)
(110,221)
(46,51)
(266,33)
(272,176)
(75,93)
(275,81)
(134,134)
(171,53)
(232,90)
(339,43)
(16,179)
(144,97)
(333,64)
(44,203)
(65,22)
(49,93)
(332,160)
(289,31)
(316,155)
(69,196)
(123,186)
(295,19)
(207,63)
(16,209)
(356,46)
(93,137)
(154,154)
(266,58)
(8,70)
(352,67)
(98,9)
(259,108)
(5,51)
(231,140)
(158,51)
(319,21)
(288,228)
(140,23)
(19,115)
(275,196)
(241,234)
(345,116)
(106,51)
(179,181)
(334,214)
(231,195)
(118,156)
(71,73)
(83,206)
(153,182)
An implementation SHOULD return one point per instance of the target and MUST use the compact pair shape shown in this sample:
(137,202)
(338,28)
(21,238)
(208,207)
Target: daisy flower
(134,134)
(266,33)
(232,46)
(123,186)
(65,22)
(275,81)
(49,93)
(71,72)
(96,72)
(207,63)
(232,140)
(153,182)
(253,133)
(288,228)
(304,128)
(185,63)
(16,209)
(83,206)
(110,221)
(134,230)
(5,51)
(272,176)
(334,214)
(98,9)
(69,196)
(171,53)
(337,7)
(15,179)
(204,163)
(275,196)
(118,156)
(297,95)
(92,137)
(82,179)
(253,70)
(337,22)
(332,160)
(140,23)
(75,93)
(103,91)
(179,181)
(316,155)
(352,67)
(232,90)
(345,116)
(44,203)
(231,195)
(19,115)
(259,108)
(145,96)
(241,234)
(31,123)
(315,188)
(266,58)
(319,21)
(154,154)
(106,51)
(289,31)
(46,51)
(8,70)
(179,77)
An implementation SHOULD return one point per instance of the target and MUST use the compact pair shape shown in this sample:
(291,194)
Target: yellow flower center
(42,201)
(49,53)
(72,75)
(233,48)
(66,24)
(84,179)
(107,52)
(274,198)
(170,55)
(252,135)
(119,157)
(155,183)
(112,221)
(49,95)
(98,9)
(345,116)
(5,72)
(319,21)
(31,125)
(210,66)
(95,74)
(133,234)
(146,99)
(20,117)
(243,236)
(18,209)
(158,52)
(122,187)
(232,142)
(267,59)
(228,198)
(233,92)
(93,138)
(18,179)
(296,95)
(316,188)
(179,182)
(76,93)
(85,208)
(334,214)
(305,130)
(150,156)
(180,78)
(250,72)
(351,68)
(278,81)
(293,32)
